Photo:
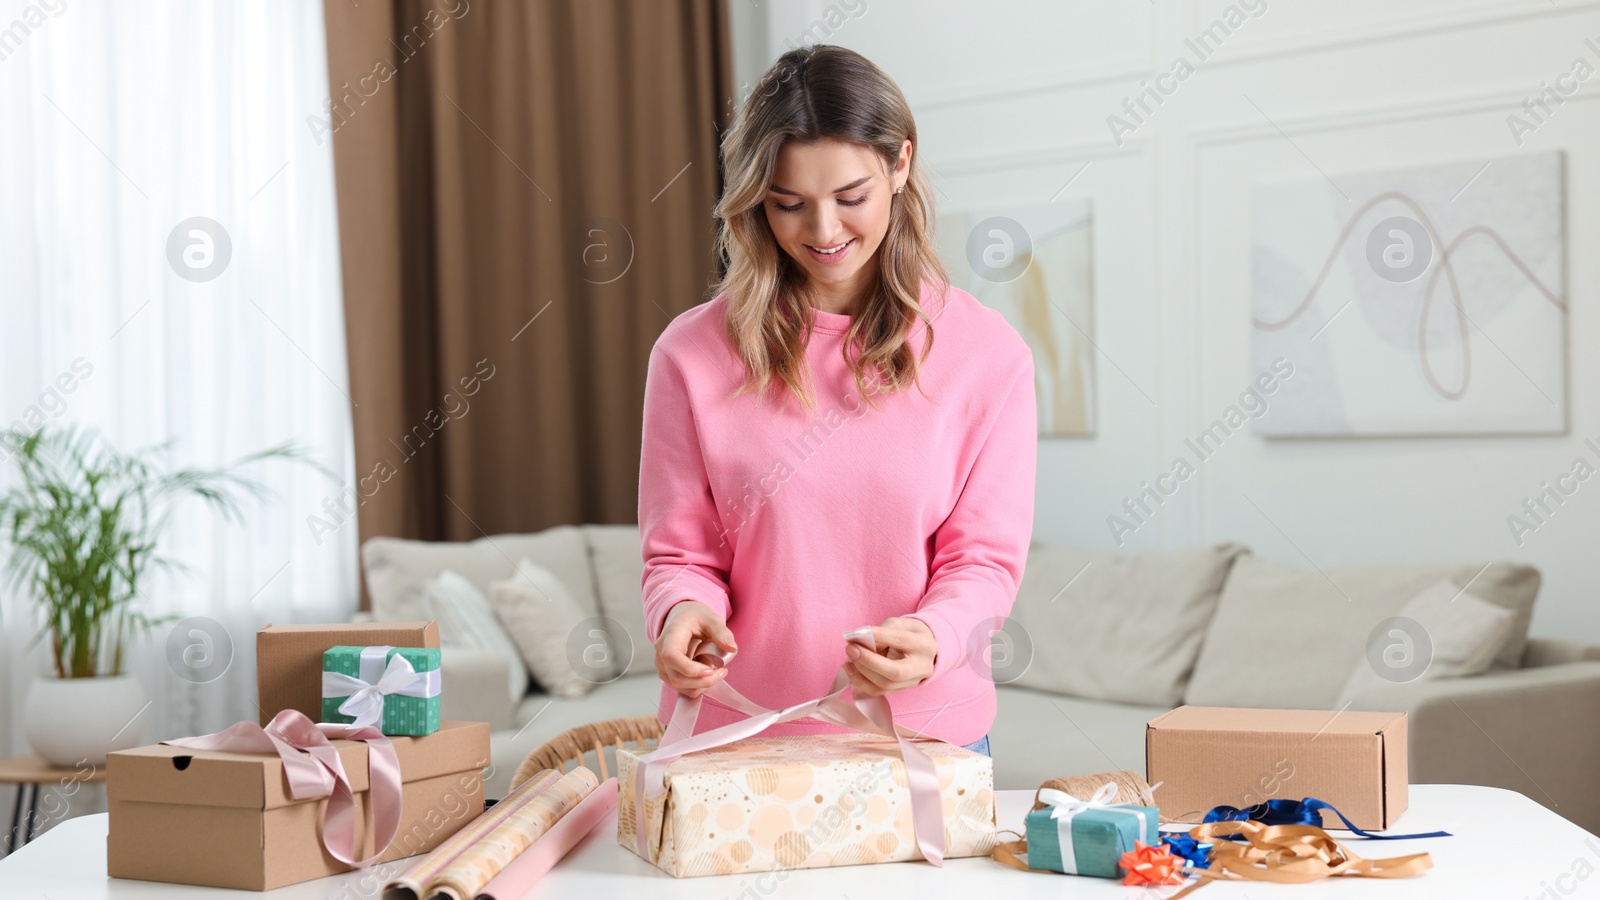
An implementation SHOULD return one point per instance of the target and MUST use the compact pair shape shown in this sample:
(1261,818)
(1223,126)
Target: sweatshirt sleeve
(684,556)
(981,549)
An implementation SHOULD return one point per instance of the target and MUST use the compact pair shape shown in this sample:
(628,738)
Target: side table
(29,773)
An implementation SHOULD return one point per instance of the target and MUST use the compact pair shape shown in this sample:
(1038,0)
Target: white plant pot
(75,721)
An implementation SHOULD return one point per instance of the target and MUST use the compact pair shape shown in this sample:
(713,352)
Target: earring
(900,190)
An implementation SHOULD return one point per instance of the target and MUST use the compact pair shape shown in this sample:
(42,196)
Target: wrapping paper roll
(481,862)
(415,881)
(517,879)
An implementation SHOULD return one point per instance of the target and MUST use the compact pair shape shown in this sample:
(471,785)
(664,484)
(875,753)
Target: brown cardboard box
(1214,756)
(289,658)
(226,819)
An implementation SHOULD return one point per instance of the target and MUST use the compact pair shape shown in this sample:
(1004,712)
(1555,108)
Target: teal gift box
(1087,837)
(398,688)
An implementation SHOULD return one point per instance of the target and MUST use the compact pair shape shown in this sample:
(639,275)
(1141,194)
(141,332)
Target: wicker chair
(597,737)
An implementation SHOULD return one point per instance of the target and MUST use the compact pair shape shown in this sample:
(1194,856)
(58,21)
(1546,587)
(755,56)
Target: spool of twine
(1130,787)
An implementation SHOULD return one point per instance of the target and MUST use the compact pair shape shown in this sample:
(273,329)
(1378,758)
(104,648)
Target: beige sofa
(1099,644)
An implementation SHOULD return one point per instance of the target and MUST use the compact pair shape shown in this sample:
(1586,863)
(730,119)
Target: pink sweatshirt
(798,527)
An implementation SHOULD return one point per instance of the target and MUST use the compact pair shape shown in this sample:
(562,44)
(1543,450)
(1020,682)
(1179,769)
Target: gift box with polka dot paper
(770,803)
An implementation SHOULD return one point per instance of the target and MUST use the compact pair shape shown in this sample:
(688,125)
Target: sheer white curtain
(118,122)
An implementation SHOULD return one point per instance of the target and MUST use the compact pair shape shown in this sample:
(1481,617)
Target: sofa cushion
(618,575)
(550,629)
(1463,633)
(1287,638)
(541,717)
(1117,628)
(397,569)
(467,621)
(1038,735)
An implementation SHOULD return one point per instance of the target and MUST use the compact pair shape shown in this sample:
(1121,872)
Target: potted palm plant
(81,531)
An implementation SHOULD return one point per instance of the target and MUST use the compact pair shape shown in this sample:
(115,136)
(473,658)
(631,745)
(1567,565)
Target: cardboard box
(289,659)
(1214,756)
(797,802)
(227,820)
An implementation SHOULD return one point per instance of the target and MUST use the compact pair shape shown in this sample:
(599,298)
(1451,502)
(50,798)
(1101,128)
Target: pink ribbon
(312,767)
(867,714)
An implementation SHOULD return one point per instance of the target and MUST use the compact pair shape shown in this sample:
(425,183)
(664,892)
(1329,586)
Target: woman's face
(833,196)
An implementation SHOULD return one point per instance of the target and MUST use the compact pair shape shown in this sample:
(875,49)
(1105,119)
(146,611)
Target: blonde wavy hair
(811,94)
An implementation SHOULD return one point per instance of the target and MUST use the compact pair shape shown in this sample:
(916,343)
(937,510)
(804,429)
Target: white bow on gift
(1063,806)
(376,682)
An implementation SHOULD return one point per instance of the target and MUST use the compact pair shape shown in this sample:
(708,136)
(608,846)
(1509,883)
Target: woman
(813,461)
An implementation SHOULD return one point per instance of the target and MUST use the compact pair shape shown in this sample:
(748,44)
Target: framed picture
(1036,266)
(1419,301)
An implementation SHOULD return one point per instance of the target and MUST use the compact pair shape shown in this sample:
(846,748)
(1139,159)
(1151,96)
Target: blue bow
(1197,854)
(1301,812)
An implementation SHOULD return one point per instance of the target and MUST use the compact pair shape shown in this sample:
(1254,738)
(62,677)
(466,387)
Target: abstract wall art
(1418,301)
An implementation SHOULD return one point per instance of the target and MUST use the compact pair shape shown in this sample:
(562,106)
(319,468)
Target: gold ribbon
(1286,854)
(1289,854)
(1006,853)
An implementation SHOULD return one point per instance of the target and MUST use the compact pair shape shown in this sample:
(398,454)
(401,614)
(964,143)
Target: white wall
(1012,100)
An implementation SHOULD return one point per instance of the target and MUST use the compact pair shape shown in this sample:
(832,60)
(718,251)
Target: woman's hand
(690,627)
(904,659)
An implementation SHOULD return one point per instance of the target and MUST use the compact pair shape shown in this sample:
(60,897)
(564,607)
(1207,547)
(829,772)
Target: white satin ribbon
(377,681)
(1063,806)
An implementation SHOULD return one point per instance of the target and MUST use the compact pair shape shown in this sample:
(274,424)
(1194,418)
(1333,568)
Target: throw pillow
(1115,628)
(466,620)
(1285,637)
(565,646)
(397,569)
(1463,633)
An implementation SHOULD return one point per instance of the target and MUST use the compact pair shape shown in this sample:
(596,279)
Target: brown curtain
(524,195)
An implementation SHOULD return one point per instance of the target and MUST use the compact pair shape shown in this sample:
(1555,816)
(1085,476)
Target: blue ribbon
(1301,812)
(1197,854)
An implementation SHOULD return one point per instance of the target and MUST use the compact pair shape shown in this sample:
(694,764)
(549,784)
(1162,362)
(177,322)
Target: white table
(1504,846)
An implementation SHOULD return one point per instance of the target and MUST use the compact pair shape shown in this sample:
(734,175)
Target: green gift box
(1079,837)
(395,688)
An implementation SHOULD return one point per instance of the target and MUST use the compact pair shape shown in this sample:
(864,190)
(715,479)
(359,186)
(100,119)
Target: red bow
(1145,864)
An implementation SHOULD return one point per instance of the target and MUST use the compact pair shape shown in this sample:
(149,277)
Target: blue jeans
(981,745)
